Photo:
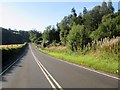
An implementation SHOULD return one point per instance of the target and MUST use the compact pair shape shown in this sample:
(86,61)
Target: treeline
(79,30)
(14,37)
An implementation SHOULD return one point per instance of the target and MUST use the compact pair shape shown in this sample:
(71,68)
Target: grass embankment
(11,46)
(11,52)
(98,60)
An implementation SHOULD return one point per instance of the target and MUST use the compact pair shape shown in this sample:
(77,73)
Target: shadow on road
(16,65)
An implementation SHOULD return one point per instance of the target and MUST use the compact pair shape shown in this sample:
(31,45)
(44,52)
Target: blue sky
(38,15)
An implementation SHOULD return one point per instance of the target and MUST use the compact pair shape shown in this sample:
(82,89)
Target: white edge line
(89,69)
(86,68)
(39,63)
(11,65)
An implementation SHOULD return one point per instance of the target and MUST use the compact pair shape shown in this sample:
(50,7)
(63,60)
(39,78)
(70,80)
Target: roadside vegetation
(101,58)
(91,38)
(13,45)
(13,36)
(10,53)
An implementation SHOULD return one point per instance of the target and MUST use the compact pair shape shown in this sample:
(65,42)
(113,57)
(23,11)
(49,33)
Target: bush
(77,38)
(8,54)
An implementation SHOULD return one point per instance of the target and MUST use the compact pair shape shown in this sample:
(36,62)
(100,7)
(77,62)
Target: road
(38,70)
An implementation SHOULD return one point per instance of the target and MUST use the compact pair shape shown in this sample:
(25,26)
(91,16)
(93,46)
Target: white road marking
(87,68)
(50,76)
(45,72)
(11,65)
(90,69)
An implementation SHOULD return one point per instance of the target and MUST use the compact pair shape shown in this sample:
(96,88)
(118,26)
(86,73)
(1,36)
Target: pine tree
(84,10)
(110,7)
(104,8)
(74,12)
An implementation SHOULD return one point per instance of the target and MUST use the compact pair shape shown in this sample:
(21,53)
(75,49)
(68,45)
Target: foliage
(85,11)
(74,12)
(10,46)
(64,30)
(105,44)
(14,37)
(110,7)
(78,31)
(103,61)
(77,37)
(108,28)
(10,52)
(35,35)
(51,35)
(93,37)
(104,9)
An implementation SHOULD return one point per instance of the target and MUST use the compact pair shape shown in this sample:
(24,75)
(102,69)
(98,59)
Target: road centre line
(46,73)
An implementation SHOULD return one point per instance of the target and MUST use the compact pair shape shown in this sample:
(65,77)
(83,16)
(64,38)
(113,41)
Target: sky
(38,15)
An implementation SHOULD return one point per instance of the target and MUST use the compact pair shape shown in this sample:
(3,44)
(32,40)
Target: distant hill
(14,37)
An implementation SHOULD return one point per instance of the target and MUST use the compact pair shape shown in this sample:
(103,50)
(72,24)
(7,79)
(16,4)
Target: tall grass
(11,53)
(12,46)
(100,55)
(106,44)
(102,63)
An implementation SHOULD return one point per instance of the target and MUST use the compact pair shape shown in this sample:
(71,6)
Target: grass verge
(106,62)
(10,53)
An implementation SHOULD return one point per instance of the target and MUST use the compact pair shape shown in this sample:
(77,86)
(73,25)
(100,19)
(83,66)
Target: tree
(64,27)
(25,35)
(109,27)
(88,22)
(85,11)
(13,36)
(51,35)
(97,16)
(92,19)
(72,17)
(101,32)
(34,35)
(58,27)
(46,34)
(77,38)
(74,12)
(119,8)
(57,32)
(79,20)
(77,30)
(104,9)
(116,22)
(104,5)
(110,7)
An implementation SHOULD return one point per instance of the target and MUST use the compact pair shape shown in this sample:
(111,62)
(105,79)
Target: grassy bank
(14,46)
(101,61)
(10,52)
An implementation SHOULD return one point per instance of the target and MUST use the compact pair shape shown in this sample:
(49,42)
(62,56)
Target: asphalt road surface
(35,69)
